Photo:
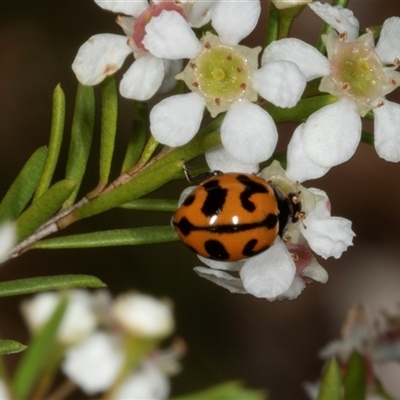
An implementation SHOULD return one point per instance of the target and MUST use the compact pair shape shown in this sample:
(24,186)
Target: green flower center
(221,73)
(358,71)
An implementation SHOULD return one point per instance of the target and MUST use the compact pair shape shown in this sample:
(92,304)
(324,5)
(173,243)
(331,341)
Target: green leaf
(23,187)
(10,346)
(354,379)
(109,114)
(45,283)
(138,138)
(117,237)
(225,391)
(81,138)
(147,180)
(56,136)
(40,349)
(331,385)
(301,111)
(152,205)
(43,208)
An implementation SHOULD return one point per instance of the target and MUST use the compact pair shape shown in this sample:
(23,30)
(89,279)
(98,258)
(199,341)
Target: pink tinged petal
(234,20)
(329,236)
(310,61)
(175,120)
(218,159)
(170,36)
(171,68)
(331,135)
(299,167)
(101,56)
(222,265)
(143,78)
(134,8)
(94,364)
(341,19)
(280,82)
(388,46)
(387,131)
(221,278)
(269,274)
(248,133)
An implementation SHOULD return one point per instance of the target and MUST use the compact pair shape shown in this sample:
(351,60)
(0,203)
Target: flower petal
(171,68)
(99,57)
(169,36)
(388,46)
(387,131)
(175,120)
(218,159)
(200,12)
(95,363)
(341,19)
(221,278)
(280,82)
(147,382)
(234,20)
(331,135)
(8,237)
(222,265)
(315,272)
(329,236)
(248,133)
(310,61)
(294,291)
(299,167)
(270,273)
(134,8)
(143,78)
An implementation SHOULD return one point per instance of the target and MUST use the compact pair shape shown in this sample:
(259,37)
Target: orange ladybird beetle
(233,216)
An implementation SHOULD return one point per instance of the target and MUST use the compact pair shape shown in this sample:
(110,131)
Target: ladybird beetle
(233,216)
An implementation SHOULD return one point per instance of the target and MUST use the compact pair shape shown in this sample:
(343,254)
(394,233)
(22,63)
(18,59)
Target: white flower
(148,382)
(79,319)
(8,238)
(95,363)
(143,316)
(361,75)
(103,54)
(223,77)
(282,270)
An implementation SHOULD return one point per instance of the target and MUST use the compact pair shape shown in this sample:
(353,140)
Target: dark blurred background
(265,345)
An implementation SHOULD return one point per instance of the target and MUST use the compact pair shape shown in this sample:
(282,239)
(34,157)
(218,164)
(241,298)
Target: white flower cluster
(96,332)
(223,76)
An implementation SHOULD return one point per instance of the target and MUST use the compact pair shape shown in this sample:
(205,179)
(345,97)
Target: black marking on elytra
(189,200)
(285,208)
(248,250)
(250,187)
(184,226)
(215,200)
(216,250)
